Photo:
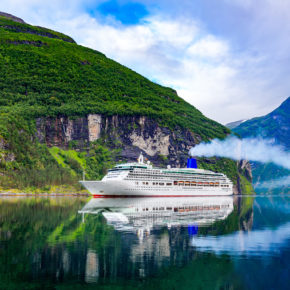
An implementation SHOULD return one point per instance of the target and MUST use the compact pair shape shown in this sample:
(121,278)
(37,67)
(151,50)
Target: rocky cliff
(132,134)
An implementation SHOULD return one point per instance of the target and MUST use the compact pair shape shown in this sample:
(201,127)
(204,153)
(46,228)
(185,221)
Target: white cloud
(208,47)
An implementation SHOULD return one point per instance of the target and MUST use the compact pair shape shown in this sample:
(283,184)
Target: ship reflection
(141,215)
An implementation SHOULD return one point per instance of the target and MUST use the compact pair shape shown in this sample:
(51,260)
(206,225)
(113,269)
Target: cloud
(230,61)
(254,149)
(208,47)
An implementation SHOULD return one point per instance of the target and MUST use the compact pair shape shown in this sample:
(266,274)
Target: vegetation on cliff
(40,74)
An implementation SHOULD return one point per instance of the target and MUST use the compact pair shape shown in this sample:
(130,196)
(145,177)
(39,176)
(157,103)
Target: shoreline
(12,194)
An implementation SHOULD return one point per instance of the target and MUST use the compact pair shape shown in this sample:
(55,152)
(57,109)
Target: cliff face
(131,135)
(244,178)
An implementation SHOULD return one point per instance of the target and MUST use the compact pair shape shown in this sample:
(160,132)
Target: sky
(228,58)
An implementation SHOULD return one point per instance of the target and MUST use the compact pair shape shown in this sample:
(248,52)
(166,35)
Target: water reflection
(141,215)
(149,243)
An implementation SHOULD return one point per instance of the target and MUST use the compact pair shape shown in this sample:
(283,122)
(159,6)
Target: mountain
(233,125)
(65,109)
(275,126)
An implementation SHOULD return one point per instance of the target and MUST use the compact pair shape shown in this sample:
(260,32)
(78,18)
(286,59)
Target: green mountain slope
(45,73)
(275,125)
(49,86)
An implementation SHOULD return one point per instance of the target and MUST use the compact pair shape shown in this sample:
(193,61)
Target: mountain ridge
(12,17)
(274,125)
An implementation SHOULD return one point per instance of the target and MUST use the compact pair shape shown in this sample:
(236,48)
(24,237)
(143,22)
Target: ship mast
(141,158)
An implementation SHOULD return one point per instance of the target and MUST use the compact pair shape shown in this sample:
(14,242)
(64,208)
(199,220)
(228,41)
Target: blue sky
(229,58)
(128,13)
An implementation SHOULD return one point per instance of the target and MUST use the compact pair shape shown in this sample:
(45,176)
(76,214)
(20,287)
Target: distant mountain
(276,126)
(235,124)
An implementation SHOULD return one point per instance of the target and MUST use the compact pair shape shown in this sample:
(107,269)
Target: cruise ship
(142,179)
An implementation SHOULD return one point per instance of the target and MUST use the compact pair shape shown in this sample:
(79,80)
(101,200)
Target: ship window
(169,184)
(146,183)
(175,182)
(161,183)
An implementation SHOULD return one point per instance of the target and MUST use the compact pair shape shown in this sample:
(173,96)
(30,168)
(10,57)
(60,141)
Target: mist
(253,149)
(274,183)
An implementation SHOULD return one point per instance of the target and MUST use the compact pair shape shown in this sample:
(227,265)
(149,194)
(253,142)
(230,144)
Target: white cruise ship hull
(129,189)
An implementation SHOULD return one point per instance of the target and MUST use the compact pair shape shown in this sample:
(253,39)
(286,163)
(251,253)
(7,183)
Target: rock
(94,127)
(244,167)
(12,17)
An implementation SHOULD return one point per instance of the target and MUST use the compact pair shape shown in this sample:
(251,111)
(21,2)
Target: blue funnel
(191,163)
(192,230)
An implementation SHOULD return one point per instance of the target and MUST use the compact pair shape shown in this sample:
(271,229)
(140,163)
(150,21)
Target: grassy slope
(48,76)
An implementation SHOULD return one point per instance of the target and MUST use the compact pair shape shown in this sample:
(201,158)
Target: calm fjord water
(161,243)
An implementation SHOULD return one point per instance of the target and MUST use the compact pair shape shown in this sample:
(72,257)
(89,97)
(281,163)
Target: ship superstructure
(142,179)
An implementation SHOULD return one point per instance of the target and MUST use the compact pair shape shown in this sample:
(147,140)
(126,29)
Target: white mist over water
(253,149)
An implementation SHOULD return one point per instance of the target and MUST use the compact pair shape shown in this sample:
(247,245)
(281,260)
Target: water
(159,243)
